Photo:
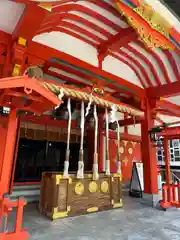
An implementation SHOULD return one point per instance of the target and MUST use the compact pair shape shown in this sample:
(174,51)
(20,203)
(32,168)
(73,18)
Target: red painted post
(19,216)
(149,153)
(5,174)
(173,192)
(167,167)
(164,194)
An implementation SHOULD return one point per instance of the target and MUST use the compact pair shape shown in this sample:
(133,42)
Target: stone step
(30,192)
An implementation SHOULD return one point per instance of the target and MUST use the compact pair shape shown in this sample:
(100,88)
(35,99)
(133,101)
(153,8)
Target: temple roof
(92,30)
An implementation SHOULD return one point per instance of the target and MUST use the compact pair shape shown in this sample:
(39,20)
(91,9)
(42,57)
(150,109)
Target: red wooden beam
(130,121)
(173,131)
(68,70)
(30,21)
(46,120)
(65,78)
(46,53)
(165,90)
(124,136)
(5,38)
(173,123)
(131,101)
(168,113)
(115,42)
(167,106)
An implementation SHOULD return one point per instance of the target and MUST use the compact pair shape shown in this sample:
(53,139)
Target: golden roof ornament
(152,28)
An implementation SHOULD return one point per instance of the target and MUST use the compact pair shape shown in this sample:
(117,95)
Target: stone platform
(134,222)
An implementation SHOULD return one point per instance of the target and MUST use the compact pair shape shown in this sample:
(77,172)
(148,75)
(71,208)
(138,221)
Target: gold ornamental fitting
(104,187)
(93,187)
(79,188)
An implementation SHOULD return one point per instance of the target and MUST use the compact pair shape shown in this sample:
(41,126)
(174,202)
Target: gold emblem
(121,150)
(98,91)
(16,70)
(93,187)
(125,161)
(79,188)
(130,151)
(93,209)
(104,187)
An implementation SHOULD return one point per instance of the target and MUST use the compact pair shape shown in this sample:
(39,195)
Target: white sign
(139,167)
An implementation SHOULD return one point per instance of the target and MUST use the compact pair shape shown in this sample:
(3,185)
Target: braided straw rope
(68,92)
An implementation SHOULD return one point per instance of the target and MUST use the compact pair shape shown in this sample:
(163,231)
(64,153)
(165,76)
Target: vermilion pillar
(167,160)
(167,166)
(149,154)
(5,174)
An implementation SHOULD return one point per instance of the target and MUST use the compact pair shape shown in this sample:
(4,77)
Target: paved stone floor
(134,222)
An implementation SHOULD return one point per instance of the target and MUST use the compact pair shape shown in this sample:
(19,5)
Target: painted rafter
(130,121)
(147,62)
(46,53)
(90,36)
(66,79)
(172,132)
(22,29)
(169,107)
(82,9)
(81,33)
(125,61)
(166,90)
(70,15)
(115,42)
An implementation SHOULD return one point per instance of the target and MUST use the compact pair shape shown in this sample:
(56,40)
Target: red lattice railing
(170,196)
(6,206)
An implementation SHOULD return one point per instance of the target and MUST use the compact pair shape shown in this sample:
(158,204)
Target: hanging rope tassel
(119,158)
(80,172)
(95,163)
(107,144)
(66,163)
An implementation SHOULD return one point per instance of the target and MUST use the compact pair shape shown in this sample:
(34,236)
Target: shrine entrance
(18,94)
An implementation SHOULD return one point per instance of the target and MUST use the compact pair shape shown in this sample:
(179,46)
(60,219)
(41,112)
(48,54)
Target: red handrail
(6,206)
(170,195)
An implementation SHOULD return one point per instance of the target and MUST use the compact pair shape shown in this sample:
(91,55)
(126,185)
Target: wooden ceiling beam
(30,21)
(116,82)
(167,107)
(166,90)
(130,121)
(115,42)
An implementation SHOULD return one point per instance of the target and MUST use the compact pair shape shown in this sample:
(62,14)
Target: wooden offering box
(61,197)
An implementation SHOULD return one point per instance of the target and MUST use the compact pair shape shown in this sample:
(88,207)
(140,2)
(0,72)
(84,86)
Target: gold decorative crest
(98,91)
(93,187)
(154,20)
(92,209)
(104,187)
(79,188)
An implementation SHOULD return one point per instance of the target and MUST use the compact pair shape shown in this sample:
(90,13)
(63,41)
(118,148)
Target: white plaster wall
(10,13)
(135,130)
(169,119)
(87,53)
(157,123)
(120,69)
(70,45)
(174,99)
